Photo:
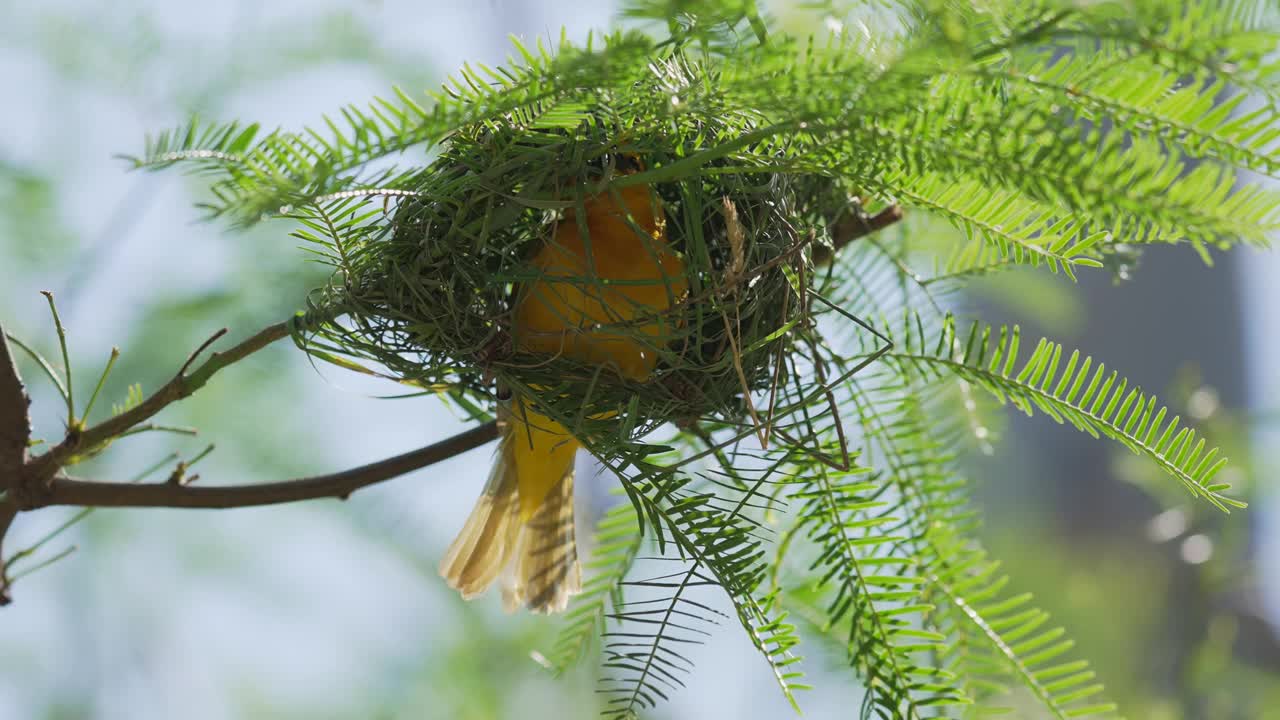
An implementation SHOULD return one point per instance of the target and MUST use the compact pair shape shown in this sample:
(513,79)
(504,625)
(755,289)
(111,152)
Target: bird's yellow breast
(598,300)
(602,293)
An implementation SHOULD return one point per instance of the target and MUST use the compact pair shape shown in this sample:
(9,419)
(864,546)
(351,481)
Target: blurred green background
(334,610)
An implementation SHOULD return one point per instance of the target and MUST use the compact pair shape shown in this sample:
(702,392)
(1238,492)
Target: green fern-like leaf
(875,594)
(1097,402)
(1015,643)
(720,546)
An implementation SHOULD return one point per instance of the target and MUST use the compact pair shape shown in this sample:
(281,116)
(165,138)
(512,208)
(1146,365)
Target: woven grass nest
(433,299)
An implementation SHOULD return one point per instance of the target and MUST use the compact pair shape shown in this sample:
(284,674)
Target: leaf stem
(102,380)
(44,564)
(181,386)
(72,423)
(43,364)
(52,534)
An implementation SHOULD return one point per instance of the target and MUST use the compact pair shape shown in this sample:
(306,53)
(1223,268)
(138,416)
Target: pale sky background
(174,614)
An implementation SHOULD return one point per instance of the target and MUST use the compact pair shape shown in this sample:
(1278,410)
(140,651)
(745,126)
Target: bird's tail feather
(480,550)
(538,558)
(545,572)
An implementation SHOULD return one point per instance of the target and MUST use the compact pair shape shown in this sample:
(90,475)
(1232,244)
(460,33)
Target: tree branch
(853,226)
(15,425)
(15,434)
(45,466)
(68,491)
(8,511)
(856,225)
(30,483)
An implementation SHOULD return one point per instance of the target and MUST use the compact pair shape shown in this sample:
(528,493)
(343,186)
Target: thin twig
(102,380)
(67,491)
(66,358)
(855,225)
(29,483)
(42,564)
(203,346)
(43,364)
(80,516)
(181,386)
(157,427)
(48,537)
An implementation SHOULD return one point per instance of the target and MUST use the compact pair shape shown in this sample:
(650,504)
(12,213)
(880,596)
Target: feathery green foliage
(1055,135)
(1097,402)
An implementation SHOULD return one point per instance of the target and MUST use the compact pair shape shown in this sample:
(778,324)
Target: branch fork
(30,483)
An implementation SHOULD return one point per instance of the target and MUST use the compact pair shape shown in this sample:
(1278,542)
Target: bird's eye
(617,164)
(627,163)
(620,162)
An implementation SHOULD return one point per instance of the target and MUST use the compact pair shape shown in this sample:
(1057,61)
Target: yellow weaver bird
(620,271)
